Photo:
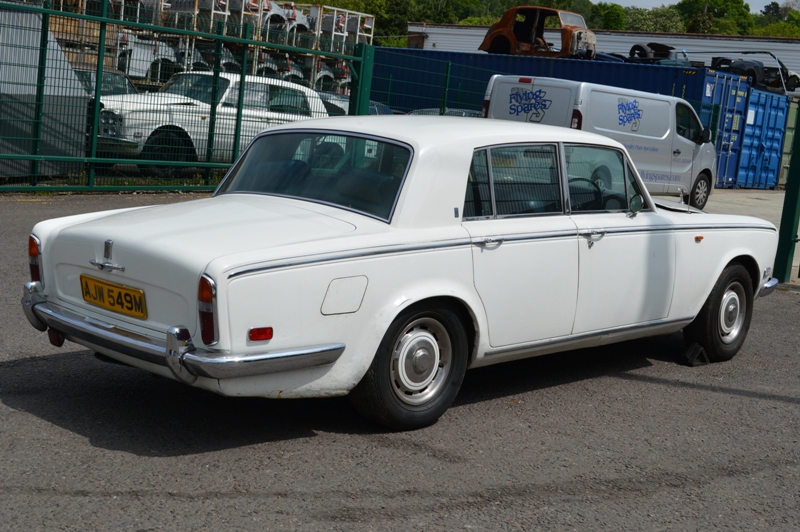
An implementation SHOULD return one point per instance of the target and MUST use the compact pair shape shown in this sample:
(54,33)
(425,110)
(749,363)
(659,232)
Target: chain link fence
(144,94)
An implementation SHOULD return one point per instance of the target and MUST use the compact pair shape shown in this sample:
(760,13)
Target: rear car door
(525,249)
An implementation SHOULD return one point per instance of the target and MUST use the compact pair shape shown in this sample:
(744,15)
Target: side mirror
(705,136)
(637,202)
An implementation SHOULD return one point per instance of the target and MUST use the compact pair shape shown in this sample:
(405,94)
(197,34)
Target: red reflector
(260,334)
(526,80)
(207,327)
(35,273)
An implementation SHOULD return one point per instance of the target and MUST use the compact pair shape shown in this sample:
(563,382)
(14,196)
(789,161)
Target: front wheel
(165,146)
(722,324)
(417,370)
(700,192)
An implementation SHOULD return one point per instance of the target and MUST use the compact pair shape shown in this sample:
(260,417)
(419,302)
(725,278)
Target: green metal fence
(112,95)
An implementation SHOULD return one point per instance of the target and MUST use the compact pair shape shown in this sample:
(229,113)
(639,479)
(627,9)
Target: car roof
(426,130)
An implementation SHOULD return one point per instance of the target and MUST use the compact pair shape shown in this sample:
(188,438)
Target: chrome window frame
(488,149)
(337,132)
(627,164)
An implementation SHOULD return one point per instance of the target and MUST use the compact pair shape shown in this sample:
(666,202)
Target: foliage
(485,20)
(700,15)
(607,17)
(779,29)
(664,19)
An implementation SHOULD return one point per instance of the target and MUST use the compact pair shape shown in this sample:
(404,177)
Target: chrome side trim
(767,287)
(576,338)
(353,255)
(727,226)
(177,351)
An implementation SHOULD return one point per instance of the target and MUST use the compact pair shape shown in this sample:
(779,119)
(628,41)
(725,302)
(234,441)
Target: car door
(684,148)
(255,111)
(627,261)
(524,248)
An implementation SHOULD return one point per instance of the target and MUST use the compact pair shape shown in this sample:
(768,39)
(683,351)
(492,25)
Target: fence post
(212,124)
(787,235)
(40,81)
(360,93)
(445,89)
(237,133)
(98,87)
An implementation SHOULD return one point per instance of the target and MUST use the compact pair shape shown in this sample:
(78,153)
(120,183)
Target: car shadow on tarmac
(126,409)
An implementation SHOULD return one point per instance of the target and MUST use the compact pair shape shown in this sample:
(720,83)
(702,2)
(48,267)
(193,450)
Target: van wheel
(417,370)
(699,195)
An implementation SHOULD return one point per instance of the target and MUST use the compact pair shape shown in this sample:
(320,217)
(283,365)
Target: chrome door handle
(488,241)
(593,235)
(676,152)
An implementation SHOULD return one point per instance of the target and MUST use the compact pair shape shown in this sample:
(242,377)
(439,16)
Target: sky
(755,5)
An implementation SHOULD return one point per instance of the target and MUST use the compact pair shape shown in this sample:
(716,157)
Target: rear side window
(513,181)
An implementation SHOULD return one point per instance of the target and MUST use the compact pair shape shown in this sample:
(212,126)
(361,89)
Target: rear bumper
(176,351)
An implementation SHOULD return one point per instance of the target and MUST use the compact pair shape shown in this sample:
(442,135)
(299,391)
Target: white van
(663,134)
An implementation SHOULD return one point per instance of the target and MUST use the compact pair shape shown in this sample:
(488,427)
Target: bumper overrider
(176,351)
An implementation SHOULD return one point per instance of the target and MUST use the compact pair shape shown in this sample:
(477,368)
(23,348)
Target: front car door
(627,262)
(525,249)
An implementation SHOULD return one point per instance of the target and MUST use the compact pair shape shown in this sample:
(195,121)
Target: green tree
(664,19)
(779,29)
(608,16)
(486,20)
(699,15)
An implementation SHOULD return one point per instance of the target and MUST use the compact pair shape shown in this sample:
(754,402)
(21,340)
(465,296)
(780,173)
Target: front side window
(357,173)
(596,179)
(686,123)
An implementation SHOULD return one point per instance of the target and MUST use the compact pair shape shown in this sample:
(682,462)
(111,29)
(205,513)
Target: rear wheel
(722,324)
(165,146)
(417,370)
(700,192)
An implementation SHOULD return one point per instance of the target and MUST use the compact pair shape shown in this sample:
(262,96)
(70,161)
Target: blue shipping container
(409,78)
(726,95)
(762,143)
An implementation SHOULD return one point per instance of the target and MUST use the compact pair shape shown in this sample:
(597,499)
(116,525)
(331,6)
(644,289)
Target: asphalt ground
(613,438)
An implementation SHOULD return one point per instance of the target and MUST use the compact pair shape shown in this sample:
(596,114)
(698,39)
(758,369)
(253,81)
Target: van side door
(684,149)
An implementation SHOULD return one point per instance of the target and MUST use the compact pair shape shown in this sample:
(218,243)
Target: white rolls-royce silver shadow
(383,256)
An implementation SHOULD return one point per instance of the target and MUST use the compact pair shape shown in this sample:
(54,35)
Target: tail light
(35,259)
(206,309)
(577,119)
(485,109)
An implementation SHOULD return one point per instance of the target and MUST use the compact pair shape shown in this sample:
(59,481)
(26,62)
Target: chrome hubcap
(732,312)
(421,361)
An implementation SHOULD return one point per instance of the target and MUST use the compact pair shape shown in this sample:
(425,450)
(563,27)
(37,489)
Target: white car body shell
(318,274)
(146,113)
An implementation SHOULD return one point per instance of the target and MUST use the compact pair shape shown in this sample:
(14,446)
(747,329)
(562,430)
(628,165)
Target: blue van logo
(530,103)
(629,113)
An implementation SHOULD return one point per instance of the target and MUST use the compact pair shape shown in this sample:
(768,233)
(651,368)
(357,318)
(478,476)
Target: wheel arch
(465,313)
(181,134)
(751,265)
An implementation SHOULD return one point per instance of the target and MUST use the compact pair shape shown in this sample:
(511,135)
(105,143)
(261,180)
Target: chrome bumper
(767,287)
(177,352)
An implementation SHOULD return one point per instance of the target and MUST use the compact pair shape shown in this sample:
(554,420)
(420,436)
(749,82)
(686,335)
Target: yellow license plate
(114,297)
